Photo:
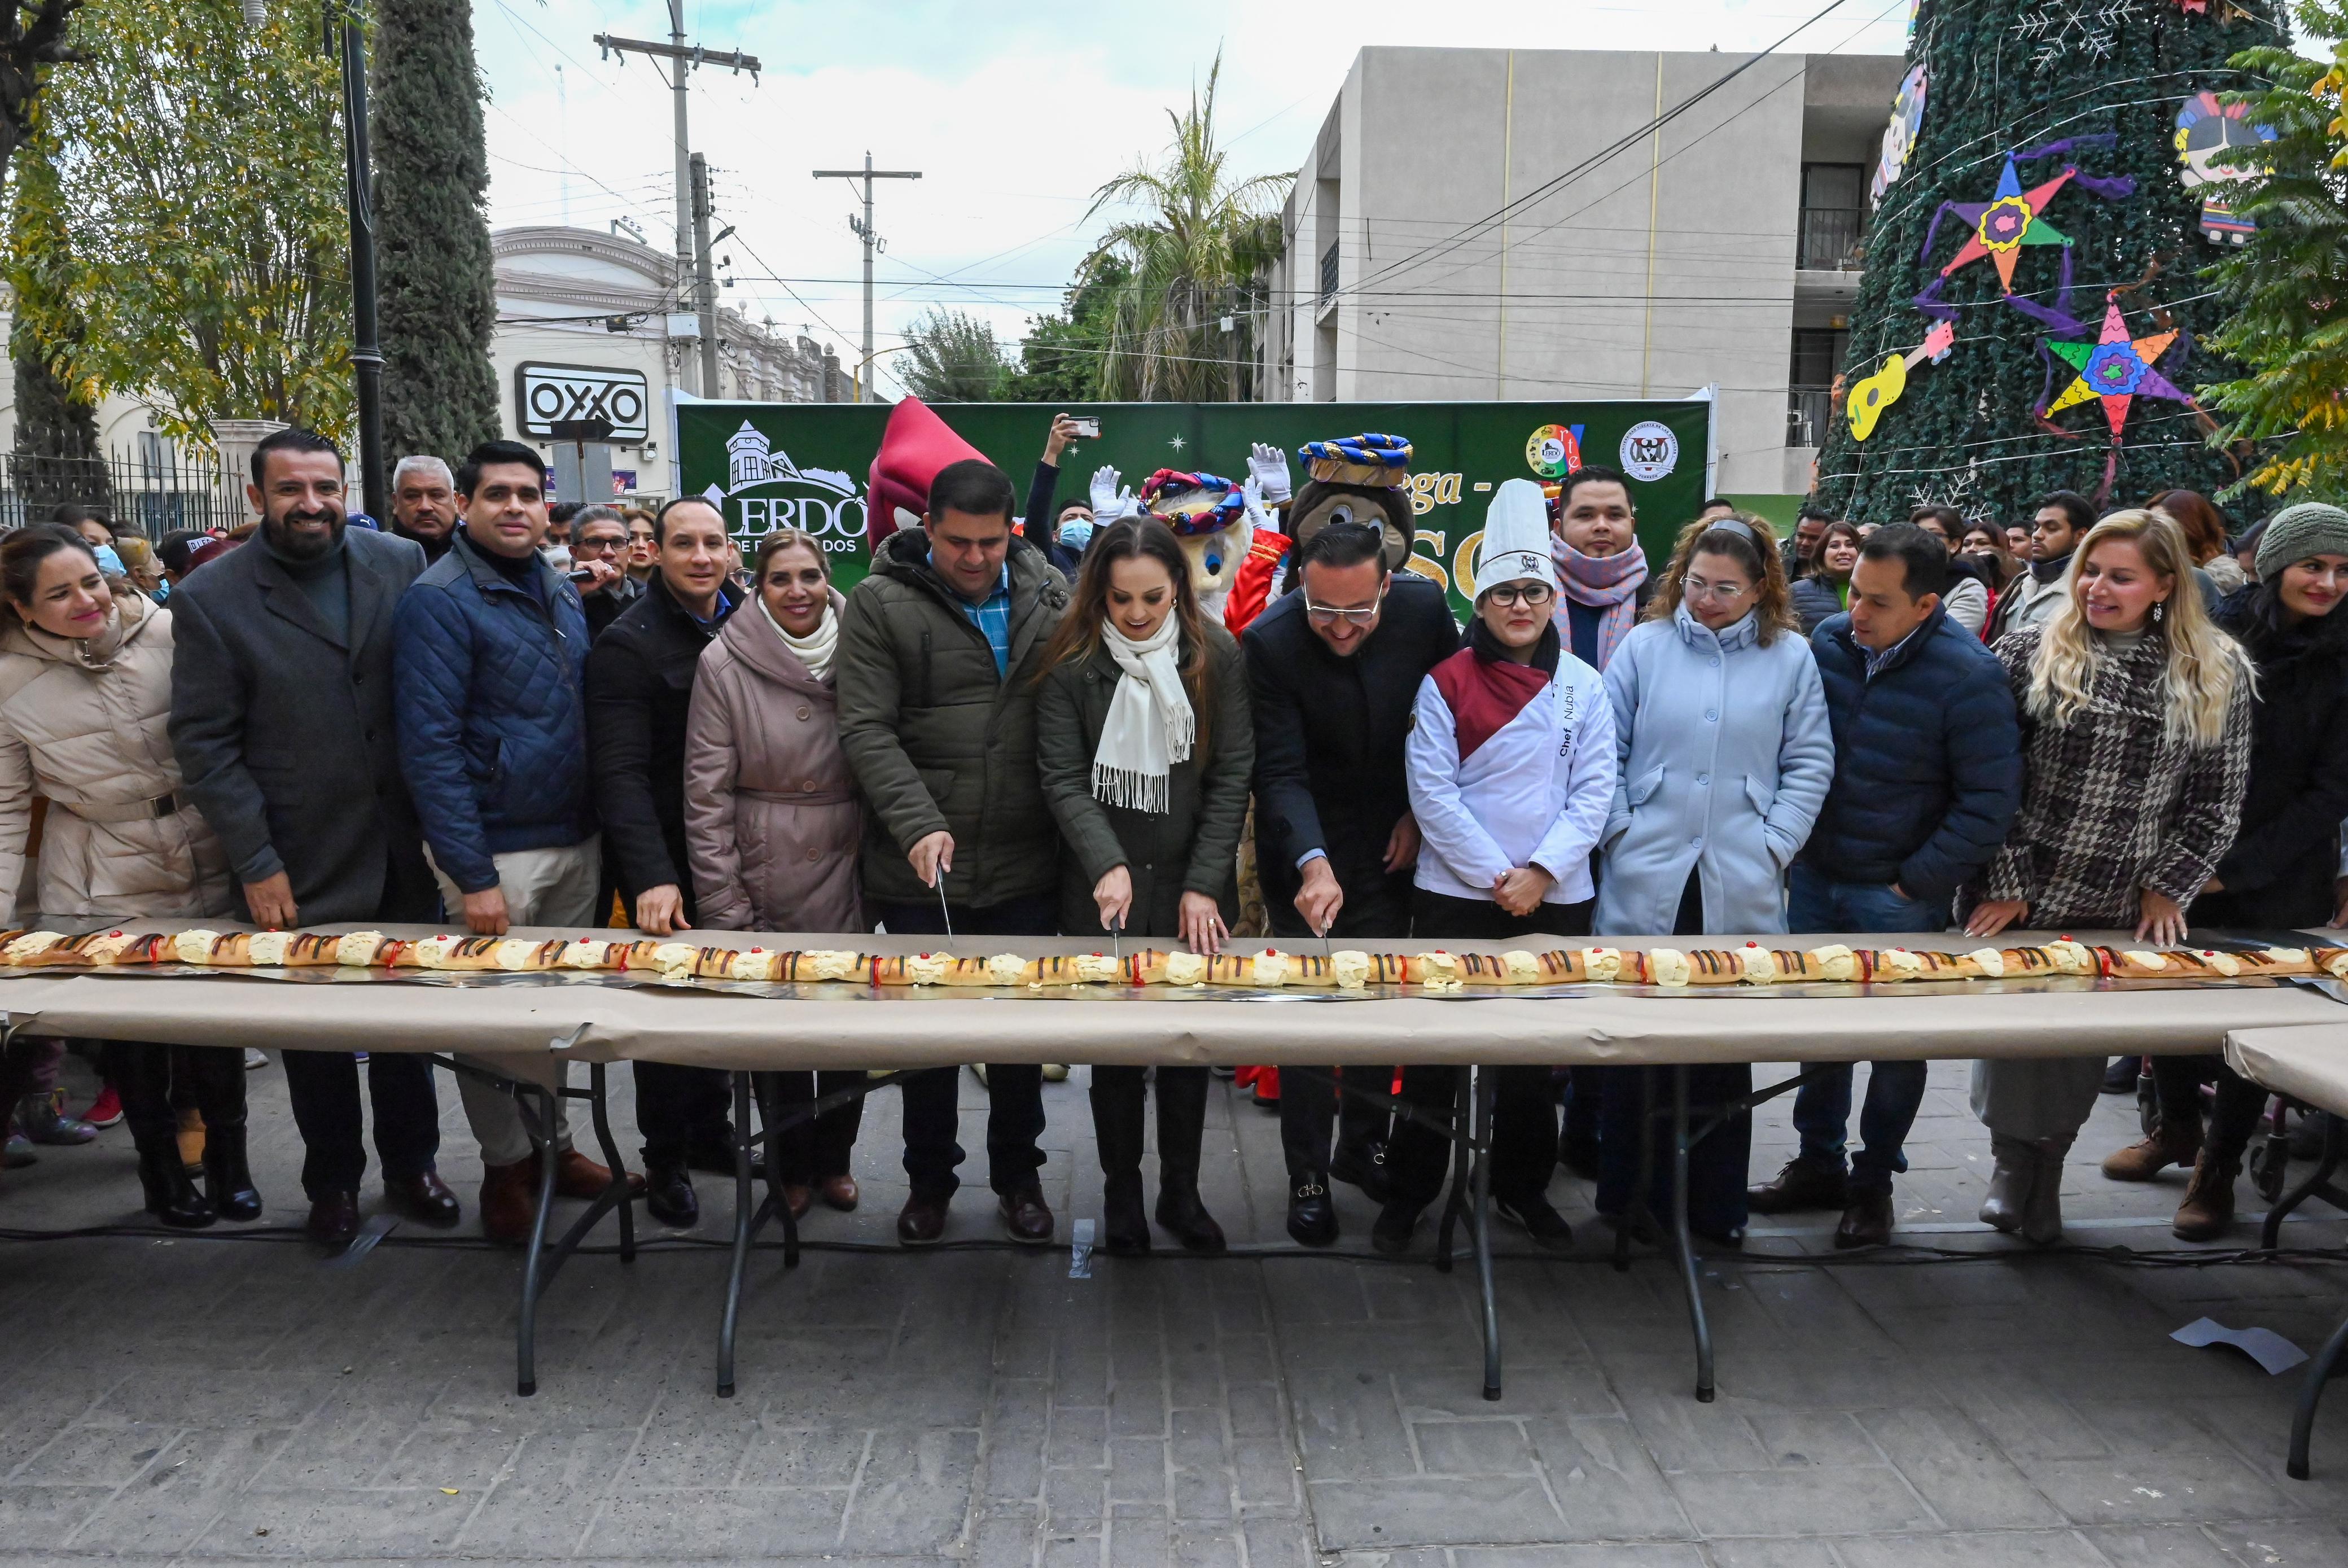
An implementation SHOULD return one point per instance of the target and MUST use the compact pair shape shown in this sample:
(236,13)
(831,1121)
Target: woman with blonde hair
(2135,723)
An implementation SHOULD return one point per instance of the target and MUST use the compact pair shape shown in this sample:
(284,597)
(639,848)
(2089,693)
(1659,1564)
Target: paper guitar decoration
(1878,392)
(2115,369)
(2010,218)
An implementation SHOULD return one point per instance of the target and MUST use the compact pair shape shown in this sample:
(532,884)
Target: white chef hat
(1516,537)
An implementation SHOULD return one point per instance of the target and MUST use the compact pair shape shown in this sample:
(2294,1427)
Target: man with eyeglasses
(1334,667)
(600,544)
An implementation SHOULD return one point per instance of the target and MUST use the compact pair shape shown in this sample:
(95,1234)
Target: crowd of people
(493,716)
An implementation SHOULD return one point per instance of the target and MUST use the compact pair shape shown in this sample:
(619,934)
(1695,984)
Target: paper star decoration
(2007,222)
(2117,368)
(2012,218)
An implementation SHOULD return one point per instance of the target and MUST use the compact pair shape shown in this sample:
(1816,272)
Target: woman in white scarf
(1145,744)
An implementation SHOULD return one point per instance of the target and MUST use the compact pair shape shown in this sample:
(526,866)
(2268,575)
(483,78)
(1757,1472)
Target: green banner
(804,465)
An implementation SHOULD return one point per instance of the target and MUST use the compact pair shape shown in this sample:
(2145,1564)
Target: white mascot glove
(1268,466)
(1251,492)
(1106,507)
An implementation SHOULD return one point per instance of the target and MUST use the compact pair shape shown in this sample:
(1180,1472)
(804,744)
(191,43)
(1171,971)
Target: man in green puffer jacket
(939,650)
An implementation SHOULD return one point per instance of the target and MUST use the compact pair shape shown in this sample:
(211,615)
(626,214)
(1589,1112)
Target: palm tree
(956,359)
(1195,260)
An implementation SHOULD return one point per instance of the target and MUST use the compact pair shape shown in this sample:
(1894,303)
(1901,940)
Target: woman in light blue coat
(1726,752)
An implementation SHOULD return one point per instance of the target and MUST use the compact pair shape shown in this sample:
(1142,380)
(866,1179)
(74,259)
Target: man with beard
(424,504)
(282,719)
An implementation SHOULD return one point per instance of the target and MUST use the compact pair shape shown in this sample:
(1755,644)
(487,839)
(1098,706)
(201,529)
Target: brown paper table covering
(2308,1063)
(849,1025)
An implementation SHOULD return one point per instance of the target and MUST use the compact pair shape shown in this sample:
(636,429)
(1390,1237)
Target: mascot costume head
(1209,515)
(913,448)
(1356,479)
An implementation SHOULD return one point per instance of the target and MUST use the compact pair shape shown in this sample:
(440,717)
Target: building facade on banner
(1491,223)
(591,324)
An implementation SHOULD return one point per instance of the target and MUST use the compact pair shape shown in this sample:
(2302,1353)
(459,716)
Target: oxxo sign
(545,394)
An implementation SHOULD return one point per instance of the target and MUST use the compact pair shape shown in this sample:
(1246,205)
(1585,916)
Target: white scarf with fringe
(1150,726)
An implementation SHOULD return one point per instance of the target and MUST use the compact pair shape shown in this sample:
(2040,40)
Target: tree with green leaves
(58,453)
(956,359)
(32,40)
(1059,359)
(437,283)
(202,160)
(2041,189)
(1181,323)
(2290,327)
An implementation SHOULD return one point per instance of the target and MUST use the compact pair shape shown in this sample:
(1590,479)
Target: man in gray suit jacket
(282,719)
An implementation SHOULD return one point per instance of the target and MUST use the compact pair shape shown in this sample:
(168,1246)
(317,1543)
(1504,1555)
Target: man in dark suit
(282,719)
(639,688)
(1333,668)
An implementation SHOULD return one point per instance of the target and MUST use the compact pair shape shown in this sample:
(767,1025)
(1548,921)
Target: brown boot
(2142,1161)
(2208,1211)
(576,1176)
(508,1201)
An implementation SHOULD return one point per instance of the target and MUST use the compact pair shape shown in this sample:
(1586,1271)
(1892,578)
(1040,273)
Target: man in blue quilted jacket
(490,648)
(1928,776)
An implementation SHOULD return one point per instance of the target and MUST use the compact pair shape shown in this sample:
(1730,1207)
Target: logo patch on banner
(1554,451)
(1650,451)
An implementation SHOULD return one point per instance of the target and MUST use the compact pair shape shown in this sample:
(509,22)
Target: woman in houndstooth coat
(2136,724)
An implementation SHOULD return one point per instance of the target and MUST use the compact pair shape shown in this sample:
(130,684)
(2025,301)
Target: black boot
(228,1181)
(668,1194)
(1125,1224)
(170,1196)
(1117,1095)
(1181,1126)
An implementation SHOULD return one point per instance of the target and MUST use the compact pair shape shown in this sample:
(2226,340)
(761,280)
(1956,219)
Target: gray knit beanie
(2296,532)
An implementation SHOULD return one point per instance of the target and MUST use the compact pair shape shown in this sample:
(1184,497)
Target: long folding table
(744,1029)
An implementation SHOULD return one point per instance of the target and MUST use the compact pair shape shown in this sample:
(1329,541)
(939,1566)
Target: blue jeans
(1894,1090)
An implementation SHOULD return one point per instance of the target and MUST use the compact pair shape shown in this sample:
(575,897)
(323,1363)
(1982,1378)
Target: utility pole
(681,58)
(704,286)
(344,39)
(872,241)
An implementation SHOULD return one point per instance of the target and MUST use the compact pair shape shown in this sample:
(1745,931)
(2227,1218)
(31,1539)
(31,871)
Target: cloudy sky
(1014,113)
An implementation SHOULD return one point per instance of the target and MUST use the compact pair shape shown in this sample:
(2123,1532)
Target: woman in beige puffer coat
(85,700)
(772,823)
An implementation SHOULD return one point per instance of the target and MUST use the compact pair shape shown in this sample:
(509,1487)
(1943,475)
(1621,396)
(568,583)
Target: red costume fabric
(1252,589)
(913,448)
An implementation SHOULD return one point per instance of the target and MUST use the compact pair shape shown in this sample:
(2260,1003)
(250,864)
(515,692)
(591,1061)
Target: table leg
(1481,1129)
(742,1227)
(616,1194)
(776,1203)
(2318,1184)
(1683,1242)
(542,1137)
(1463,1137)
(2303,1421)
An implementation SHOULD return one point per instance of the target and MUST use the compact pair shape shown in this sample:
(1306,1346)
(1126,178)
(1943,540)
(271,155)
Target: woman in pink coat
(771,819)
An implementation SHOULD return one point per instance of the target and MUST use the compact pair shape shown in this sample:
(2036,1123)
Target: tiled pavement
(186,1399)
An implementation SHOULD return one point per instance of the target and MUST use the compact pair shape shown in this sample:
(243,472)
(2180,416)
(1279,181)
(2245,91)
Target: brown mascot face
(1318,504)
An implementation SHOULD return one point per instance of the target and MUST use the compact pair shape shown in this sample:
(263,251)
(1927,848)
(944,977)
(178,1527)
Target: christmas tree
(2057,207)
(439,288)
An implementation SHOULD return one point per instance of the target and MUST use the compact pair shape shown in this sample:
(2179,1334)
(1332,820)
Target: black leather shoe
(1391,1232)
(669,1198)
(424,1198)
(1311,1216)
(922,1222)
(228,1183)
(170,1196)
(333,1219)
(1866,1223)
(1802,1183)
(716,1155)
(1362,1165)
(1125,1224)
(1026,1218)
(1186,1218)
(2120,1075)
(1538,1218)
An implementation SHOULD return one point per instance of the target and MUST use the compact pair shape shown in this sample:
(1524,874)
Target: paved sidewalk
(199,1400)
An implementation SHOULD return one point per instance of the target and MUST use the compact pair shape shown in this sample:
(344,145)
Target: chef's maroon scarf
(1485,688)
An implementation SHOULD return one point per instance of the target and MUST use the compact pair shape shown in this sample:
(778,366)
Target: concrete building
(591,322)
(1489,224)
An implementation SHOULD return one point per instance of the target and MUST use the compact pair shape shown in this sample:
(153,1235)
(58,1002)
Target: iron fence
(1809,411)
(1830,239)
(153,490)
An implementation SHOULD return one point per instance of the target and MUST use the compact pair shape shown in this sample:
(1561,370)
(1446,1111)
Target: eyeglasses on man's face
(1328,615)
